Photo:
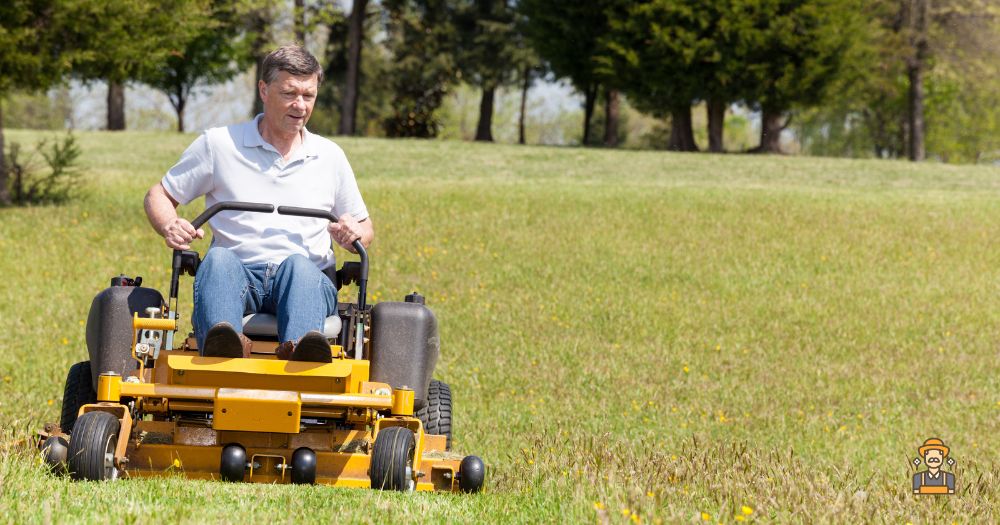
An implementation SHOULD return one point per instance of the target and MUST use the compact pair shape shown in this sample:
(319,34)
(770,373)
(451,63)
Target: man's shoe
(223,340)
(284,350)
(313,347)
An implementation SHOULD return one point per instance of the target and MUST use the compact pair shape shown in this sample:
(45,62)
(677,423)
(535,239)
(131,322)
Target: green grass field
(630,336)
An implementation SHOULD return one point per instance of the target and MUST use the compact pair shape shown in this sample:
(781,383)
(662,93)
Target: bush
(58,184)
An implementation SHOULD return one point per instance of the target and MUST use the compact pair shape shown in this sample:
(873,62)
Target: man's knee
(297,266)
(219,260)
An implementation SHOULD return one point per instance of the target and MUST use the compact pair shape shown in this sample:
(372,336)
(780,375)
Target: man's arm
(348,229)
(161,210)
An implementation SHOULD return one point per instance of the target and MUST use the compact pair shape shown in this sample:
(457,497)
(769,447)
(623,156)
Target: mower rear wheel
(92,447)
(79,391)
(436,414)
(392,460)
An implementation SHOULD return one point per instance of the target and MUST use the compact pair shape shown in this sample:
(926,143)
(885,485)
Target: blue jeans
(296,292)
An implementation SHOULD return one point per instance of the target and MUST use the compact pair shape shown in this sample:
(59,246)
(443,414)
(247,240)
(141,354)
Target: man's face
(933,458)
(288,101)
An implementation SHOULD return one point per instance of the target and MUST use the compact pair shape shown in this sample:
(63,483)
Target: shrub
(29,184)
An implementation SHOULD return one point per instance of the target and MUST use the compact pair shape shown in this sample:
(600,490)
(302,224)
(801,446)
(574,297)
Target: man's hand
(345,231)
(178,234)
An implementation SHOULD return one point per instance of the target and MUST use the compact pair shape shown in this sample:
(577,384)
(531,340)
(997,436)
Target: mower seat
(266,325)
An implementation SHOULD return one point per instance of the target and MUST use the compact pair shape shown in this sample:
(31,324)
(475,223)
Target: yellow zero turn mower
(372,418)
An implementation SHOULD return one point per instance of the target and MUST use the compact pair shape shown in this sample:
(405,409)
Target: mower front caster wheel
(233,463)
(304,466)
(91,454)
(471,474)
(392,460)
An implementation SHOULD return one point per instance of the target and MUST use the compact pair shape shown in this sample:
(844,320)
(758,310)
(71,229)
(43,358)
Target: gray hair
(293,59)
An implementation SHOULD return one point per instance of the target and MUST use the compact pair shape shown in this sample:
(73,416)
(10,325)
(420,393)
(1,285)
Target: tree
(218,52)
(421,39)
(355,39)
(257,20)
(797,57)
(128,38)
(567,36)
(34,55)
(872,114)
(663,53)
(486,52)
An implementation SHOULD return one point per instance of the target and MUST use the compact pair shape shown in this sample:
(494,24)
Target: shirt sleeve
(192,176)
(348,198)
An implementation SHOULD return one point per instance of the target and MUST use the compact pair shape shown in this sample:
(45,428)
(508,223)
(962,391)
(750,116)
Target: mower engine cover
(109,327)
(404,347)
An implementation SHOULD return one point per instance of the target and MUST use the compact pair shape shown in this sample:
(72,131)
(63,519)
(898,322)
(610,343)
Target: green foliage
(487,42)
(31,48)
(30,185)
(566,35)
(218,50)
(778,54)
(868,117)
(129,39)
(374,102)
(421,37)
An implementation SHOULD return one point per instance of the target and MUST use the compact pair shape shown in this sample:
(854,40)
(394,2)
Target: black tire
(436,415)
(95,438)
(392,459)
(233,463)
(79,391)
(304,466)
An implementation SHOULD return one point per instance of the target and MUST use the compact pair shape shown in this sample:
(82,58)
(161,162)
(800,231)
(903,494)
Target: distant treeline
(883,78)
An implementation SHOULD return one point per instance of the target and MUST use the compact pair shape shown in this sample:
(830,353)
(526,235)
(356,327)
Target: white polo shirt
(234,163)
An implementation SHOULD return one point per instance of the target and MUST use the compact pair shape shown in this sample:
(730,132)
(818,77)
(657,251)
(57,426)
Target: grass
(631,336)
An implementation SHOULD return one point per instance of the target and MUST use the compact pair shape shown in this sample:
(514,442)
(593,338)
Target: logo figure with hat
(933,480)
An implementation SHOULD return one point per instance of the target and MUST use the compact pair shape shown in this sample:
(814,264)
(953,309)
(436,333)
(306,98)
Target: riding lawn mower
(373,417)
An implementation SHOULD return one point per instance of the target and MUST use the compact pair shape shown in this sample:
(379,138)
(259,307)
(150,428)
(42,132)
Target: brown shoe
(284,350)
(313,348)
(223,340)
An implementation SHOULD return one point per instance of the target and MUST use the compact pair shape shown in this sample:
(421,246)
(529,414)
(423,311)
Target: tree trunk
(681,132)
(180,115)
(590,96)
(716,122)
(259,28)
(299,16)
(524,105)
(484,131)
(4,192)
(355,37)
(116,105)
(611,118)
(915,71)
(770,131)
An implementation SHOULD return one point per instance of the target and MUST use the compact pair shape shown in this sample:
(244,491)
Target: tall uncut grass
(630,336)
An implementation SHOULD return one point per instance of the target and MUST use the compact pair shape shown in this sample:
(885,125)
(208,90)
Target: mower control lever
(358,247)
(230,205)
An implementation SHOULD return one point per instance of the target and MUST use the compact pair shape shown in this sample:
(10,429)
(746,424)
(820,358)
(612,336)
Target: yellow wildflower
(706,516)
(746,510)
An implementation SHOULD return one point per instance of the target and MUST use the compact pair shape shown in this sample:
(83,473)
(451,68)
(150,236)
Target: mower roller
(372,418)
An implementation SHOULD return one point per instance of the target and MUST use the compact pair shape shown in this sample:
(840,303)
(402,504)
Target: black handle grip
(358,247)
(307,212)
(230,205)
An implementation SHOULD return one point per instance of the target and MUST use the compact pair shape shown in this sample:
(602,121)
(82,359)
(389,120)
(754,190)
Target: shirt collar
(252,139)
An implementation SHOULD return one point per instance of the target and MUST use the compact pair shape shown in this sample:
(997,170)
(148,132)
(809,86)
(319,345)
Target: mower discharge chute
(372,418)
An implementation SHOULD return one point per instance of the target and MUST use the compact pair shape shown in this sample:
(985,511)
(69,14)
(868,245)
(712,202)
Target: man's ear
(261,89)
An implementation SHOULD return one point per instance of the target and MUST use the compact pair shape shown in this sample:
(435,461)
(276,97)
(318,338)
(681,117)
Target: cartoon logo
(933,480)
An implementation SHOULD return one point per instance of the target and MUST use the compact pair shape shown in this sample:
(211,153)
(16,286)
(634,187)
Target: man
(933,480)
(265,262)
